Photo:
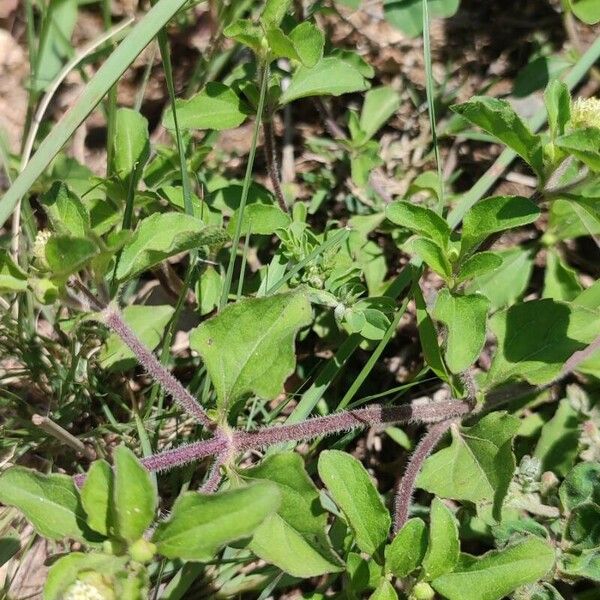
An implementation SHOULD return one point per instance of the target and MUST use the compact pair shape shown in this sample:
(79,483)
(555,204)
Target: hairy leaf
(249,347)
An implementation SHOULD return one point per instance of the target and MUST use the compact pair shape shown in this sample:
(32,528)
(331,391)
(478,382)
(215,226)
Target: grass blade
(106,76)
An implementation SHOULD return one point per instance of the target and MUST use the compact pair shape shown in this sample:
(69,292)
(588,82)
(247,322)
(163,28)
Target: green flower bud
(585,112)
(422,591)
(142,551)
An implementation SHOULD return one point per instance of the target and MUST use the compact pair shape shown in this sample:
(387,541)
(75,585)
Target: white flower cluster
(80,590)
(585,112)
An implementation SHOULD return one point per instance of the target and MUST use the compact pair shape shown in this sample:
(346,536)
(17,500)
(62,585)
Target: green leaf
(65,571)
(477,466)
(248,348)
(498,118)
(147,322)
(49,502)
(495,214)
(66,254)
(477,265)
(216,106)
(280,45)
(131,145)
(55,42)
(586,564)
(260,219)
(560,281)
(558,105)
(583,526)
(65,210)
(586,10)
(200,524)
(536,338)
(508,281)
(407,15)
(573,218)
(430,253)
(379,105)
(497,573)
(308,42)
(274,11)
(559,440)
(134,496)
(162,235)
(420,220)
(208,290)
(429,337)
(443,548)
(9,546)
(583,144)
(384,591)
(465,318)
(331,76)
(96,495)
(12,277)
(407,550)
(352,490)
(581,485)
(293,538)
(245,32)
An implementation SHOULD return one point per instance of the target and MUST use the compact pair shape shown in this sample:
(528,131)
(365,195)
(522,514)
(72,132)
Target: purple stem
(186,454)
(406,487)
(345,421)
(113,318)
(214,477)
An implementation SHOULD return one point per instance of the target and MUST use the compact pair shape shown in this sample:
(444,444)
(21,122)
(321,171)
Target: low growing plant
(519,486)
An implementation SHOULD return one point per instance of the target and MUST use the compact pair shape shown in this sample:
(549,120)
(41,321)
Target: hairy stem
(273,163)
(114,320)
(214,476)
(406,487)
(238,441)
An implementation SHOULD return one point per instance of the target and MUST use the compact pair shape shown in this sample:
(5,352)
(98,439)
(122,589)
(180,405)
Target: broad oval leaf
(96,496)
(407,550)
(249,346)
(581,485)
(308,41)
(134,496)
(498,118)
(586,10)
(12,277)
(66,254)
(131,145)
(353,491)
(201,524)
(498,573)
(584,144)
(465,317)
(477,265)
(429,252)
(407,15)
(379,105)
(49,502)
(214,107)
(420,220)
(507,282)
(495,214)
(536,338)
(294,538)
(162,235)
(479,464)
(331,76)
(443,548)
(67,213)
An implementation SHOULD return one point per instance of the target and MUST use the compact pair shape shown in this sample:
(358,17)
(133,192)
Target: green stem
(246,187)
